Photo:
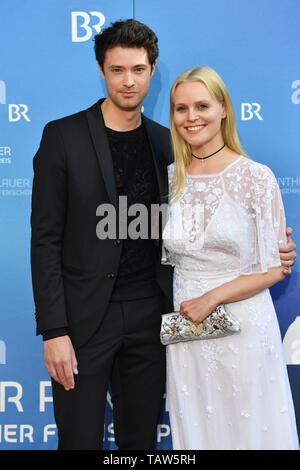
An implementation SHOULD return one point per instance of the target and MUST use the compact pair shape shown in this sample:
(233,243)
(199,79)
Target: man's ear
(153,68)
(101,71)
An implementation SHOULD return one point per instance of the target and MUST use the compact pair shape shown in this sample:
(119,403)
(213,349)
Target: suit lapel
(159,165)
(100,141)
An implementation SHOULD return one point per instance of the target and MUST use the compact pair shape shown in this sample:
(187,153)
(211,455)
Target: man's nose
(128,80)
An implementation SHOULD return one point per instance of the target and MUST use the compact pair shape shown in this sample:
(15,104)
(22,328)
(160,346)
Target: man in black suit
(99,301)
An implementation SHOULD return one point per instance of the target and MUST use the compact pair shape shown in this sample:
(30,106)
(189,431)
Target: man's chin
(129,104)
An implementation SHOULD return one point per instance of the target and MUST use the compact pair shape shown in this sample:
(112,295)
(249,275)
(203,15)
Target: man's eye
(116,70)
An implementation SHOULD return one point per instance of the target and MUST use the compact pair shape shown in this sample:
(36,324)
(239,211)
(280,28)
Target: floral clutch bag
(176,327)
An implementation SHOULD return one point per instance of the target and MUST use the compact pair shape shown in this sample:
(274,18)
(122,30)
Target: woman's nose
(192,114)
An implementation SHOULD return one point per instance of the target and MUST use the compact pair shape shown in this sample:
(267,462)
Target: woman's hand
(199,308)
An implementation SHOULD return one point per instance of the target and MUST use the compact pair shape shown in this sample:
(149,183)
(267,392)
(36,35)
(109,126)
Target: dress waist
(193,275)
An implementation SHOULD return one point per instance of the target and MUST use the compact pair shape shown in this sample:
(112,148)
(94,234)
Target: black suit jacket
(73,271)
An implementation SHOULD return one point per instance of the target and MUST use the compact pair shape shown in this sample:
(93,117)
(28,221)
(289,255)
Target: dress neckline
(197,175)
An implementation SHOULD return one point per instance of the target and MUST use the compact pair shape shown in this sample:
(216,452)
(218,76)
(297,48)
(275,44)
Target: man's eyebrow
(122,66)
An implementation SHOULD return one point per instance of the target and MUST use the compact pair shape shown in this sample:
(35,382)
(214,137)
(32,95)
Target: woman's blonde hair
(182,150)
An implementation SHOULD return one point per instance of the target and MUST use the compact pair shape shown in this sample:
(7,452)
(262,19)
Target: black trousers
(127,354)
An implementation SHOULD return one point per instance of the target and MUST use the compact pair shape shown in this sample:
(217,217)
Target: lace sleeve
(264,226)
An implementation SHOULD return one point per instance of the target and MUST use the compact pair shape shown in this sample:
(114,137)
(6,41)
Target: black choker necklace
(204,158)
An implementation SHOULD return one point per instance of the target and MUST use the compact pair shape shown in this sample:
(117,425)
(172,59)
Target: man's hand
(288,252)
(60,361)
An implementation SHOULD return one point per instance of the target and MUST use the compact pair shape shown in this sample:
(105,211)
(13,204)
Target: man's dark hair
(128,33)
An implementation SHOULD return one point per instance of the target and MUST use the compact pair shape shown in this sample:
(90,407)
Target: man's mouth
(128,93)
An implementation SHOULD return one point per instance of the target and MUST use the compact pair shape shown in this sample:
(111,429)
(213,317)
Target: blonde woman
(225,226)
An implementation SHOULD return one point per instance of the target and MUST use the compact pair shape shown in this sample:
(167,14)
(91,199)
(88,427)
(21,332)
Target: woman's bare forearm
(245,286)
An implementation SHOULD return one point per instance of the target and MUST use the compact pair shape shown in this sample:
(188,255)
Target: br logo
(85,22)
(249,110)
(2,352)
(291,343)
(15,111)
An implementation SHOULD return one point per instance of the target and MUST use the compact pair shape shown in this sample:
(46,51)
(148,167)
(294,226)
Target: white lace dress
(233,392)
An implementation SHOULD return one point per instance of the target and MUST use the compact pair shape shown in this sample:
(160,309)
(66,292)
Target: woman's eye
(203,106)
(180,108)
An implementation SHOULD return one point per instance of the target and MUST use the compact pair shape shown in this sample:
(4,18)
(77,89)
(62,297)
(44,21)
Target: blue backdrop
(48,70)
